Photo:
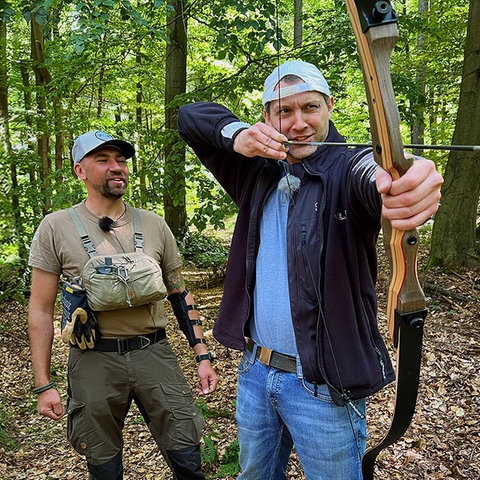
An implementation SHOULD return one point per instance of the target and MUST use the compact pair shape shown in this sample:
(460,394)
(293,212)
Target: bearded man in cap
(299,296)
(116,355)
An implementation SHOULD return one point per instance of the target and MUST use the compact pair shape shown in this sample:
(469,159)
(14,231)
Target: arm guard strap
(180,310)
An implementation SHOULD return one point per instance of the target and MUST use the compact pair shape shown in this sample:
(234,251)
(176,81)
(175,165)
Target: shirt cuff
(229,131)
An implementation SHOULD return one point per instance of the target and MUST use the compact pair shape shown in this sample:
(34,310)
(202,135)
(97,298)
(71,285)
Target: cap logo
(103,136)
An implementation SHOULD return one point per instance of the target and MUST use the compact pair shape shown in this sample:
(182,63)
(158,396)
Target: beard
(114,192)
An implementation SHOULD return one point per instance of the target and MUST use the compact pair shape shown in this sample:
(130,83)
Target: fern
(209,452)
(230,462)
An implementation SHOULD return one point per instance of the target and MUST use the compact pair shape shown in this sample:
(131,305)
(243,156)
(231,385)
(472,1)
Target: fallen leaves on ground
(443,441)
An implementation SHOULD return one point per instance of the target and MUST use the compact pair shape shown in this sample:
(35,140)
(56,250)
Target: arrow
(465,148)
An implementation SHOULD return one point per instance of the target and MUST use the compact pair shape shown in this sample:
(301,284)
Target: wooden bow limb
(375,28)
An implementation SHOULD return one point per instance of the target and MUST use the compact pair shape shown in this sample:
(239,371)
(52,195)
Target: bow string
(375,26)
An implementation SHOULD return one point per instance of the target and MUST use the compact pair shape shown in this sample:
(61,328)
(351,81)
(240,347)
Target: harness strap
(138,235)
(87,242)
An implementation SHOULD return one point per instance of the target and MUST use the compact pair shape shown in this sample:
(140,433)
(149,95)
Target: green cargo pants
(102,386)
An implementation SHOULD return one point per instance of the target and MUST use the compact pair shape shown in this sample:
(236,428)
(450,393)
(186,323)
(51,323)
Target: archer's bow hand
(261,140)
(413,198)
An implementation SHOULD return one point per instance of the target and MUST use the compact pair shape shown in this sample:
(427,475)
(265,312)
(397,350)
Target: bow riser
(405,292)
(375,47)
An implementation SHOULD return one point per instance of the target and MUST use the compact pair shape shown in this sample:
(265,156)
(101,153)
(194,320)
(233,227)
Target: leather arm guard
(180,310)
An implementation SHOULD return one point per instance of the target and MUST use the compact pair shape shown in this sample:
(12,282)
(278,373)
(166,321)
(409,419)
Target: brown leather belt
(268,357)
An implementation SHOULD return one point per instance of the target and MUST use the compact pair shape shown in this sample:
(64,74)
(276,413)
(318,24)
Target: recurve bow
(375,27)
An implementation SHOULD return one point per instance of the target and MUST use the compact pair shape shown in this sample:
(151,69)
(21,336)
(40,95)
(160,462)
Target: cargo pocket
(186,423)
(77,427)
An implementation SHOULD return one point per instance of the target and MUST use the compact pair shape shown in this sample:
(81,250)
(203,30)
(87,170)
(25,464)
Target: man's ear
(266,117)
(80,171)
(330,104)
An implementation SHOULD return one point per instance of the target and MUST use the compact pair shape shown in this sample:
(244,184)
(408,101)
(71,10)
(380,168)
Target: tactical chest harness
(119,280)
(124,280)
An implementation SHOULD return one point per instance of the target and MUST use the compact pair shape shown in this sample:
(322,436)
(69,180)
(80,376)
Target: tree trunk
(59,138)
(42,79)
(140,162)
(27,107)
(297,23)
(101,76)
(6,150)
(58,112)
(5,144)
(175,84)
(418,127)
(454,235)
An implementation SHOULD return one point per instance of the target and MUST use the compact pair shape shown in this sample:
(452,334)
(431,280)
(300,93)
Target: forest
(125,67)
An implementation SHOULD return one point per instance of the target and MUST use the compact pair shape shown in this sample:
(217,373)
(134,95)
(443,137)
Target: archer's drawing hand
(261,140)
(413,198)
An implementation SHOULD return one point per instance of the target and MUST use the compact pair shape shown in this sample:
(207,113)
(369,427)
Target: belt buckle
(122,345)
(142,345)
(265,355)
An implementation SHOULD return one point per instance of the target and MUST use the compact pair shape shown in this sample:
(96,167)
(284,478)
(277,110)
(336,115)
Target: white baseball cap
(310,74)
(90,141)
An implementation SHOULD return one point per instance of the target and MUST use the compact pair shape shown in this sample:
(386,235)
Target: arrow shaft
(465,148)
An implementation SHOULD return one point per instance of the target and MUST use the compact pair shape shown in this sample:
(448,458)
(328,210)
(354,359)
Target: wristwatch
(205,356)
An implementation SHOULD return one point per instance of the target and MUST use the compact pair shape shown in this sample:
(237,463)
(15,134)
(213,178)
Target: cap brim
(126,148)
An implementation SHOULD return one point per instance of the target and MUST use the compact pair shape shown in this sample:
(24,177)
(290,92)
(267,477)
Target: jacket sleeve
(365,200)
(210,130)
(203,124)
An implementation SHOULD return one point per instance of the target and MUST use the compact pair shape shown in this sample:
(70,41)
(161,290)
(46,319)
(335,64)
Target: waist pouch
(122,280)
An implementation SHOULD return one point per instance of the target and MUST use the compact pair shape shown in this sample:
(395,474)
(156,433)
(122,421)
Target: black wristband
(205,356)
(46,387)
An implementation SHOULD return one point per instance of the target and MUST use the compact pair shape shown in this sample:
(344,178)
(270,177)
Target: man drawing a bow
(299,295)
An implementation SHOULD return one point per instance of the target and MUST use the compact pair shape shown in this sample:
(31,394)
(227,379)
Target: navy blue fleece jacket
(332,231)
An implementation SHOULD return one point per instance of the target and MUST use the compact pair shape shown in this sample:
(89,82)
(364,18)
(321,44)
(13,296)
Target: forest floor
(443,441)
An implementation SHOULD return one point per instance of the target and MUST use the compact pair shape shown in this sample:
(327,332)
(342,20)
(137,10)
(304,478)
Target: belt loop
(299,368)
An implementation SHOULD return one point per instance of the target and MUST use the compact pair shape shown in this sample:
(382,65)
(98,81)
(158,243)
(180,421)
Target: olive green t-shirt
(57,248)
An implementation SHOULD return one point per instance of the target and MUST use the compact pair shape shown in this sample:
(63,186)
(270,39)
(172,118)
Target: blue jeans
(276,410)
